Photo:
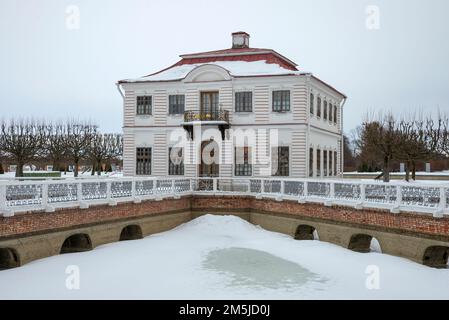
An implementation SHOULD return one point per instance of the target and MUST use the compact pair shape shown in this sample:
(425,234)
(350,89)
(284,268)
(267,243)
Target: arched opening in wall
(436,256)
(131,232)
(306,232)
(364,243)
(8,258)
(77,243)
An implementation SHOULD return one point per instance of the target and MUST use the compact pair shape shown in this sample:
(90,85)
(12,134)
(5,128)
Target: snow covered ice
(223,257)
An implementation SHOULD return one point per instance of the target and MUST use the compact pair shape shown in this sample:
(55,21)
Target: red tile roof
(268,57)
(238,54)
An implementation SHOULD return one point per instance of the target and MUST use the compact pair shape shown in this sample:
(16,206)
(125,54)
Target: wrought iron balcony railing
(214,115)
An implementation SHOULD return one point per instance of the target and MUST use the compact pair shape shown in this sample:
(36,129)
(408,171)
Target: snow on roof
(235,68)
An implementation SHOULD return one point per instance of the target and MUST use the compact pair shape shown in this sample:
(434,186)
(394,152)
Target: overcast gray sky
(51,69)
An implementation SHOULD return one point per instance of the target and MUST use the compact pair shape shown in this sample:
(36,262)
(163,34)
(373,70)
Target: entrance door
(209,166)
(209,105)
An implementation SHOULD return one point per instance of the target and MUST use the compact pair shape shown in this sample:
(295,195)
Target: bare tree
(56,144)
(104,148)
(349,154)
(419,139)
(21,141)
(443,136)
(380,138)
(116,148)
(2,160)
(411,146)
(79,140)
(98,151)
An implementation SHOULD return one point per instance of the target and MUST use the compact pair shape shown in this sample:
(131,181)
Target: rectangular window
(143,161)
(176,104)
(331,163)
(335,114)
(318,107)
(144,105)
(311,103)
(331,111)
(335,163)
(280,161)
(243,163)
(311,162)
(318,163)
(325,110)
(244,101)
(281,101)
(325,163)
(175,162)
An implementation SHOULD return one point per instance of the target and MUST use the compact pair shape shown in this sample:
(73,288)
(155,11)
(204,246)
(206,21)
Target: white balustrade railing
(47,195)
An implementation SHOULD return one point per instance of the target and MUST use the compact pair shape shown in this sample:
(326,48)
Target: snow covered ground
(223,257)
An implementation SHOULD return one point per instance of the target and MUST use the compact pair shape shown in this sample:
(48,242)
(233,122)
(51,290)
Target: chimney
(240,40)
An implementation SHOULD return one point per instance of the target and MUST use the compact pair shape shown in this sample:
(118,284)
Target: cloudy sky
(384,54)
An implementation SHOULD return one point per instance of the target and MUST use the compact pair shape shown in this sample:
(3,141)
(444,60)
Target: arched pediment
(207,73)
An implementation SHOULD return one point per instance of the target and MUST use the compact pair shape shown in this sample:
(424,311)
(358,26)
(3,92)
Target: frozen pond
(223,257)
(257,269)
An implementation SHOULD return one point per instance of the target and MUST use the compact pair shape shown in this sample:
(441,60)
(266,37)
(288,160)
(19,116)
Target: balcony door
(209,105)
(209,166)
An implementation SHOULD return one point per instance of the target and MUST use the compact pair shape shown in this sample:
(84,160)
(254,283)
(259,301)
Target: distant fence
(434,176)
(48,195)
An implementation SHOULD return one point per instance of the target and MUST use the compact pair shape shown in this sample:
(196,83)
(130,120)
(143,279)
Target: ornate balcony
(214,115)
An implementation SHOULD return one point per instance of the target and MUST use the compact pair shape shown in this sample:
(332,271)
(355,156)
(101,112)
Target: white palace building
(238,112)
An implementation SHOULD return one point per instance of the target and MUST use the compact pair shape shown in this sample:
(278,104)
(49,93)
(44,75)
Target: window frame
(178,169)
(325,110)
(325,163)
(141,110)
(245,107)
(318,105)
(311,160)
(282,108)
(335,163)
(247,170)
(287,168)
(150,159)
(318,162)
(311,104)
(335,114)
(177,104)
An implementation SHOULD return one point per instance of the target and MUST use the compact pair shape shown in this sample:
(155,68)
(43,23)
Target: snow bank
(224,257)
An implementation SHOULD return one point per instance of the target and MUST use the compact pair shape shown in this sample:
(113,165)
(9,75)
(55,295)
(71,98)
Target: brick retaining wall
(383,219)
(31,223)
